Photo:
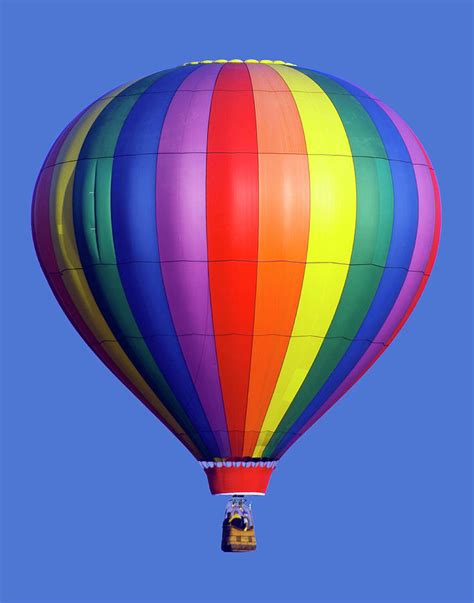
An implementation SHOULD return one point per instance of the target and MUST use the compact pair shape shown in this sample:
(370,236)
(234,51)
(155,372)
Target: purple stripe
(421,252)
(182,237)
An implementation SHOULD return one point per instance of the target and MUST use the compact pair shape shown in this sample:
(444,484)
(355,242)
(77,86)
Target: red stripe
(232,237)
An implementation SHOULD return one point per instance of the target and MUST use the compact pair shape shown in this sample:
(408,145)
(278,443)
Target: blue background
(99,502)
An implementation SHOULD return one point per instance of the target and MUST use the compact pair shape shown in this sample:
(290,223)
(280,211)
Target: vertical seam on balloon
(193,387)
(207,251)
(257,267)
(95,210)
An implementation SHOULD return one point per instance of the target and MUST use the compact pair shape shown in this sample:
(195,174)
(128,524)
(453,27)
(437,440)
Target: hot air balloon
(238,242)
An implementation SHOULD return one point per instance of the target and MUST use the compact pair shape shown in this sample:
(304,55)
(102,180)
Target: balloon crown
(264,61)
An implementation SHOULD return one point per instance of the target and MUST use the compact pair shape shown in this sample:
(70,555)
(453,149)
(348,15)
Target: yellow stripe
(331,237)
(67,256)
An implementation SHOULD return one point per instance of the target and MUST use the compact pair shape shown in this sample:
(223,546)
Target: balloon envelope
(238,242)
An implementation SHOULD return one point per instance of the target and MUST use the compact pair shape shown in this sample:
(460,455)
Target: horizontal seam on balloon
(51,165)
(348,94)
(242,261)
(178,335)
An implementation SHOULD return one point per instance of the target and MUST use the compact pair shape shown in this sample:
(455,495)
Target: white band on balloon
(212,464)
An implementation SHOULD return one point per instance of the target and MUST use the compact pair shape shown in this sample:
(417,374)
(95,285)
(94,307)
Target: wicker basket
(237,541)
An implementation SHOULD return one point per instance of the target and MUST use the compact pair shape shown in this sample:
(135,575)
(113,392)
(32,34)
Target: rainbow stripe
(238,243)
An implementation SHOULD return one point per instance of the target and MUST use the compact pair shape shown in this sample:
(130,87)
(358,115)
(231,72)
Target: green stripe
(94,233)
(374,220)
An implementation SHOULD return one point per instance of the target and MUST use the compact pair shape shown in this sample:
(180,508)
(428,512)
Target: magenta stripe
(419,260)
(182,237)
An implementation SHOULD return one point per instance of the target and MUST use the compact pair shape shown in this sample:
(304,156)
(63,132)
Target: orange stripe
(284,201)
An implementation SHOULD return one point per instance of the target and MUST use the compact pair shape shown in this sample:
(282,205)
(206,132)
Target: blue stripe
(136,243)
